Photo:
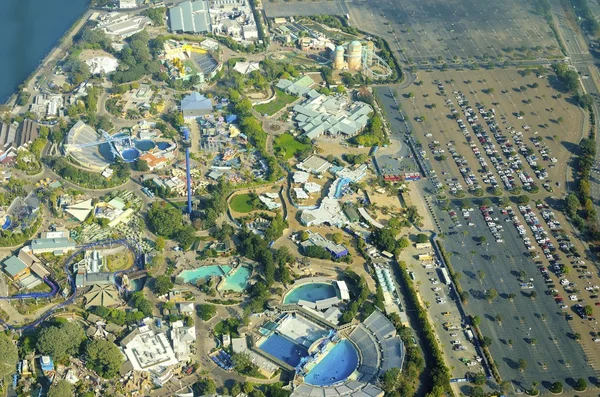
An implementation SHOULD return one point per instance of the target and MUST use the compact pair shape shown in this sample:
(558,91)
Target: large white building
(127,4)
(183,338)
(121,26)
(148,350)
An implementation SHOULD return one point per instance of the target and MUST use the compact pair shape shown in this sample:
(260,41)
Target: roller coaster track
(132,246)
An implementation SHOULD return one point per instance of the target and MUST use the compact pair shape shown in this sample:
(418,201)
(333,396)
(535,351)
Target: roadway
(581,60)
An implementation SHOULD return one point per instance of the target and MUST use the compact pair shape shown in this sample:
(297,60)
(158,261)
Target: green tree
(556,388)
(206,311)
(403,243)
(61,341)
(337,238)
(522,364)
(391,380)
(160,243)
(421,238)
(480,276)
(104,357)
(162,284)
(142,165)
(476,320)
(205,386)
(491,294)
(61,389)
(580,385)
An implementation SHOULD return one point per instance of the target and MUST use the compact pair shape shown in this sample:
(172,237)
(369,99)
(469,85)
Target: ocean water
(29,29)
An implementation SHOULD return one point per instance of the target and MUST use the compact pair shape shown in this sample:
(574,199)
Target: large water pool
(144,145)
(237,281)
(284,349)
(337,365)
(311,292)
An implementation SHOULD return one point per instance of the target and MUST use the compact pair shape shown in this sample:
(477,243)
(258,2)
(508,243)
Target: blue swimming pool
(337,365)
(237,281)
(311,292)
(162,145)
(144,145)
(284,349)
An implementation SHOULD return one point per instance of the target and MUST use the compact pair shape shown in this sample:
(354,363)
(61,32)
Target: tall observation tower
(186,144)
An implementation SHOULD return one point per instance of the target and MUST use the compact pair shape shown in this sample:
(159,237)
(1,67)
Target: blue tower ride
(186,144)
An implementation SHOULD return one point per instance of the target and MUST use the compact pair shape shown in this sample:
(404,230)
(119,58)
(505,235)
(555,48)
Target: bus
(445,277)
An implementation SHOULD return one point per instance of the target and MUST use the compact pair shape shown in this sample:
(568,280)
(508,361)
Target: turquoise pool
(311,292)
(236,281)
(336,366)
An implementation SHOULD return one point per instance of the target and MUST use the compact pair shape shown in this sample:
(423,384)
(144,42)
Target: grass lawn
(241,203)
(281,100)
(289,146)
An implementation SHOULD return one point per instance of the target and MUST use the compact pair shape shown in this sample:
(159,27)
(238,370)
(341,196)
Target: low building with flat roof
(195,105)
(57,246)
(148,350)
(190,17)
(315,239)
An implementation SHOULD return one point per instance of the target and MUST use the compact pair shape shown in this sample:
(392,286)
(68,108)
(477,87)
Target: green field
(242,203)
(288,146)
(282,100)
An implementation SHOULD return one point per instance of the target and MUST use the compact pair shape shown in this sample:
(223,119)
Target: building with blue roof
(15,268)
(190,17)
(195,105)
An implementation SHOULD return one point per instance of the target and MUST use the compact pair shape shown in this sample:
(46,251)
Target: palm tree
(465,233)
(472,255)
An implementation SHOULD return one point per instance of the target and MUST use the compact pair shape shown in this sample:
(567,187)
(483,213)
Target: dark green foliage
(104,357)
(314,251)
(60,341)
(162,284)
(206,311)
(87,179)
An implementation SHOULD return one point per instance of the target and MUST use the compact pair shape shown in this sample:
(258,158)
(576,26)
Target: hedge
(439,371)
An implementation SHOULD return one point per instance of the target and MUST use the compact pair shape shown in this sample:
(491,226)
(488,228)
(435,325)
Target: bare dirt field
(426,30)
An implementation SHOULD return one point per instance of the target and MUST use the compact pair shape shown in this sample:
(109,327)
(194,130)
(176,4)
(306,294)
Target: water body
(29,29)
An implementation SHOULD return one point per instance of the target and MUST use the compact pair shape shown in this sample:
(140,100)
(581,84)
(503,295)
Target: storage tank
(354,55)
(338,58)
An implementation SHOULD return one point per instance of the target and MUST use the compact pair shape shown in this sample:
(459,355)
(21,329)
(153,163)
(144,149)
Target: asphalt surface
(522,318)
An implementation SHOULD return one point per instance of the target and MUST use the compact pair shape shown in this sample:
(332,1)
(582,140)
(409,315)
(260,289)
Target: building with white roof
(121,26)
(102,65)
(126,4)
(246,67)
(314,164)
(300,193)
(332,115)
(148,350)
(300,177)
(312,187)
(183,338)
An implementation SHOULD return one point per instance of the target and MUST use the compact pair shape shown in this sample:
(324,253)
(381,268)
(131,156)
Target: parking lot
(533,329)
(454,337)
(512,149)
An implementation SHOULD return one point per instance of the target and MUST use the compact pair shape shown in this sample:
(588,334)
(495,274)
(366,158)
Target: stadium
(96,150)
(328,360)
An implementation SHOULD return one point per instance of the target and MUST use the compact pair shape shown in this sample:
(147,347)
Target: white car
(435,282)
(455,342)
(573,297)
(436,289)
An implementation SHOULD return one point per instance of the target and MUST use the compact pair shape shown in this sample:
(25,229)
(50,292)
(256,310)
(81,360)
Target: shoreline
(11,101)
